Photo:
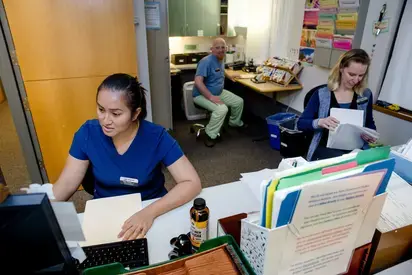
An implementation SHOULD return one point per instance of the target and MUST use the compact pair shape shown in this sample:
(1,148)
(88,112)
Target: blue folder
(403,167)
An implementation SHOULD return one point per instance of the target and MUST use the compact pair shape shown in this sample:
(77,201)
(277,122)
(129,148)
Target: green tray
(117,268)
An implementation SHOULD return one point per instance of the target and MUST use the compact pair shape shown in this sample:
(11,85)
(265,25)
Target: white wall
(310,77)
(393,131)
(142,56)
(383,41)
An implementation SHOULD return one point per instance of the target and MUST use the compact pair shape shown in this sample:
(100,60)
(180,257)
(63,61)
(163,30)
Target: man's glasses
(221,48)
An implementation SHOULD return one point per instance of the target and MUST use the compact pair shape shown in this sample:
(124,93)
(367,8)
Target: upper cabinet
(194,17)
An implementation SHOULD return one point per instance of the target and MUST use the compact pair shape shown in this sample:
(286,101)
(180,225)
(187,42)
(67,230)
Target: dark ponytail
(132,89)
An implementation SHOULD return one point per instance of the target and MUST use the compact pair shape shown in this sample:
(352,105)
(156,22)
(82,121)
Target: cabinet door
(211,17)
(177,18)
(194,17)
(62,63)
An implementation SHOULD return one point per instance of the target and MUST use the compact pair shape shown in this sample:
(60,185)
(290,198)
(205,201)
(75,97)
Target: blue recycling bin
(286,120)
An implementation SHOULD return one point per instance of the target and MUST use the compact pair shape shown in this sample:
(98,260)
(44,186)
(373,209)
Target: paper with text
(104,218)
(397,210)
(326,223)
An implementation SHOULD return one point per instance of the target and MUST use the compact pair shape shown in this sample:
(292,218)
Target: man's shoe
(243,128)
(209,142)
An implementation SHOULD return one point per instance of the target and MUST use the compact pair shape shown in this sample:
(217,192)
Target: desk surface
(268,87)
(221,202)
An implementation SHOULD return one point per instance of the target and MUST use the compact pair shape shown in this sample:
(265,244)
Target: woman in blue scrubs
(127,153)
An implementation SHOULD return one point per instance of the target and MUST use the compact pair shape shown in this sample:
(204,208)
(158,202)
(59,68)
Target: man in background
(208,92)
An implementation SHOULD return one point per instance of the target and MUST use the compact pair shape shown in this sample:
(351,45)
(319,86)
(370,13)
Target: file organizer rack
(263,247)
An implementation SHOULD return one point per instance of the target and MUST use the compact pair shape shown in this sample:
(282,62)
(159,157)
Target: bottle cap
(199,204)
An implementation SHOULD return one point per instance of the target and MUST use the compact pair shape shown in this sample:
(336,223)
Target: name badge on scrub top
(129,181)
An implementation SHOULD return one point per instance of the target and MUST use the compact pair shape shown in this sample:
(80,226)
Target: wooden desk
(268,87)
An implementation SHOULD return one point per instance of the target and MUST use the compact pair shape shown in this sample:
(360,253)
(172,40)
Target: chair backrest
(310,93)
(191,112)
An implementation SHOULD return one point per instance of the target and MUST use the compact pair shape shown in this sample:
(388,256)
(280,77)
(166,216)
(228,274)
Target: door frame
(16,96)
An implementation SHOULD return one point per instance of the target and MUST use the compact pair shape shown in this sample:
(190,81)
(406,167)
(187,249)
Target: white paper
(68,221)
(152,15)
(254,179)
(199,32)
(76,251)
(326,223)
(346,137)
(407,151)
(104,218)
(397,210)
(347,116)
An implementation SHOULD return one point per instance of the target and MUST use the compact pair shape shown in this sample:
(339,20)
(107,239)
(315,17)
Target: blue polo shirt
(138,170)
(213,72)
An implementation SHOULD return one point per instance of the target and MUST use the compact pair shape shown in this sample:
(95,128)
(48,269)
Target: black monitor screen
(30,237)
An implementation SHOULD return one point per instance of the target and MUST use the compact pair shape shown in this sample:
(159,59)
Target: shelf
(404,115)
(312,9)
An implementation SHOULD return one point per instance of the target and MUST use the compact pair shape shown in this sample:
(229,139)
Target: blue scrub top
(138,170)
(213,72)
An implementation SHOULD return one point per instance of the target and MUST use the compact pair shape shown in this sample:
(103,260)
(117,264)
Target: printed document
(326,223)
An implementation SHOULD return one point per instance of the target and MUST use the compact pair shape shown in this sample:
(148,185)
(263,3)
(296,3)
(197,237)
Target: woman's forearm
(182,193)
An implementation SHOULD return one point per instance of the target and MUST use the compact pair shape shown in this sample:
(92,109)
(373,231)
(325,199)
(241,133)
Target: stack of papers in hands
(397,210)
(347,136)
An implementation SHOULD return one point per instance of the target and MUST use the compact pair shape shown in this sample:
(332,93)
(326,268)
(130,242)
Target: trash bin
(274,122)
(294,143)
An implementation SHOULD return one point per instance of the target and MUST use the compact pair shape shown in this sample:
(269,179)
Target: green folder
(362,158)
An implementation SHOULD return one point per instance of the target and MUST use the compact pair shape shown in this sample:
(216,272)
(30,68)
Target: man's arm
(205,91)
(202,87)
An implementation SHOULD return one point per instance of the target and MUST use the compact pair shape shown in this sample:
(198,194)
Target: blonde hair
(354,55)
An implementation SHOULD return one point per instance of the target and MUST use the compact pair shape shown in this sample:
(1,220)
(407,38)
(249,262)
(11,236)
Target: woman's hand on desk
(329,123)
(368,138)
(137,225)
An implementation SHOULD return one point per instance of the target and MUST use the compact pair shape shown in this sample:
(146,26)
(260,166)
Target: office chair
(310,93)
(308,135)
(193,111)
(89,180)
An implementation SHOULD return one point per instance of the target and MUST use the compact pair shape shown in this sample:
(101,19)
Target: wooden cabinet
(194,17)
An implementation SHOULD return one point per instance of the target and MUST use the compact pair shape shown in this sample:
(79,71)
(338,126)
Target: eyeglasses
(221,48)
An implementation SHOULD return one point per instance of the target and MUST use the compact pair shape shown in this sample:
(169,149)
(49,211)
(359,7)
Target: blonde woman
(345,89)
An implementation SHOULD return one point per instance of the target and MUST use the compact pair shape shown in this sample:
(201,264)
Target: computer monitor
(31,241)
